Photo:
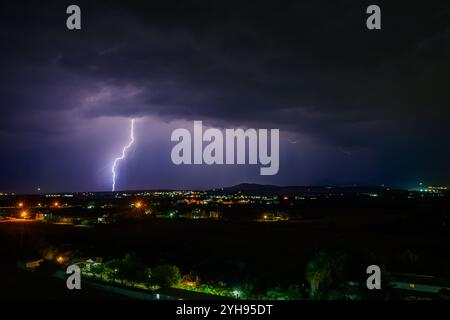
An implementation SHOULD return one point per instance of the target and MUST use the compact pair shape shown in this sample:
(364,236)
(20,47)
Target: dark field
(17,284)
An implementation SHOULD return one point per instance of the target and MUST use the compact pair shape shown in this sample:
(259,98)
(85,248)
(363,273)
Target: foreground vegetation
(327,276)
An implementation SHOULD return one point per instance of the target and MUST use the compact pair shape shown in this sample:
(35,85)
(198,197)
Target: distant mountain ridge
(254,188)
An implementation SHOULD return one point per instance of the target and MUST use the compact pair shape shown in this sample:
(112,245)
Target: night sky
(353,106)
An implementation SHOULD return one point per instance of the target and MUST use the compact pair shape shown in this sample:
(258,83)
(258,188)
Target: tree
(276,293)
(166,276)
(244,291)
(318,273)
(294,292)
(112,268)
(133,270)
(97,269)
(327,273)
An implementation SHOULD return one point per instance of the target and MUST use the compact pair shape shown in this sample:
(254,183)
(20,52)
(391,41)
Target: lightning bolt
(124,153)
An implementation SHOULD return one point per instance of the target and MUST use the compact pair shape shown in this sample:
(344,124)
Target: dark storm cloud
(309,68)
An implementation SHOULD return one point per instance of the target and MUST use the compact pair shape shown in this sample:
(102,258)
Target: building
(415,286)
(30,264)
(270,217)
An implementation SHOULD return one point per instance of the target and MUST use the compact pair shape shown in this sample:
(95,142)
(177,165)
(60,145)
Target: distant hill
(253,188)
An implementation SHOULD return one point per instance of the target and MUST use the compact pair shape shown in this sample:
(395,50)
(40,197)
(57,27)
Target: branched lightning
(124,153)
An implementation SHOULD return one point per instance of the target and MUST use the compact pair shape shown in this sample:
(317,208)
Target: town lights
(20,205)
(56,204)
(24,214)
(138,204)
(60,259)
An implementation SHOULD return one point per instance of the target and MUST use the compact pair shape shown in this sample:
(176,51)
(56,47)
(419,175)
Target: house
(269,217)
(40,216)
(214,215)
(30,264)
(420,286)
(104,219)
(86,263)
